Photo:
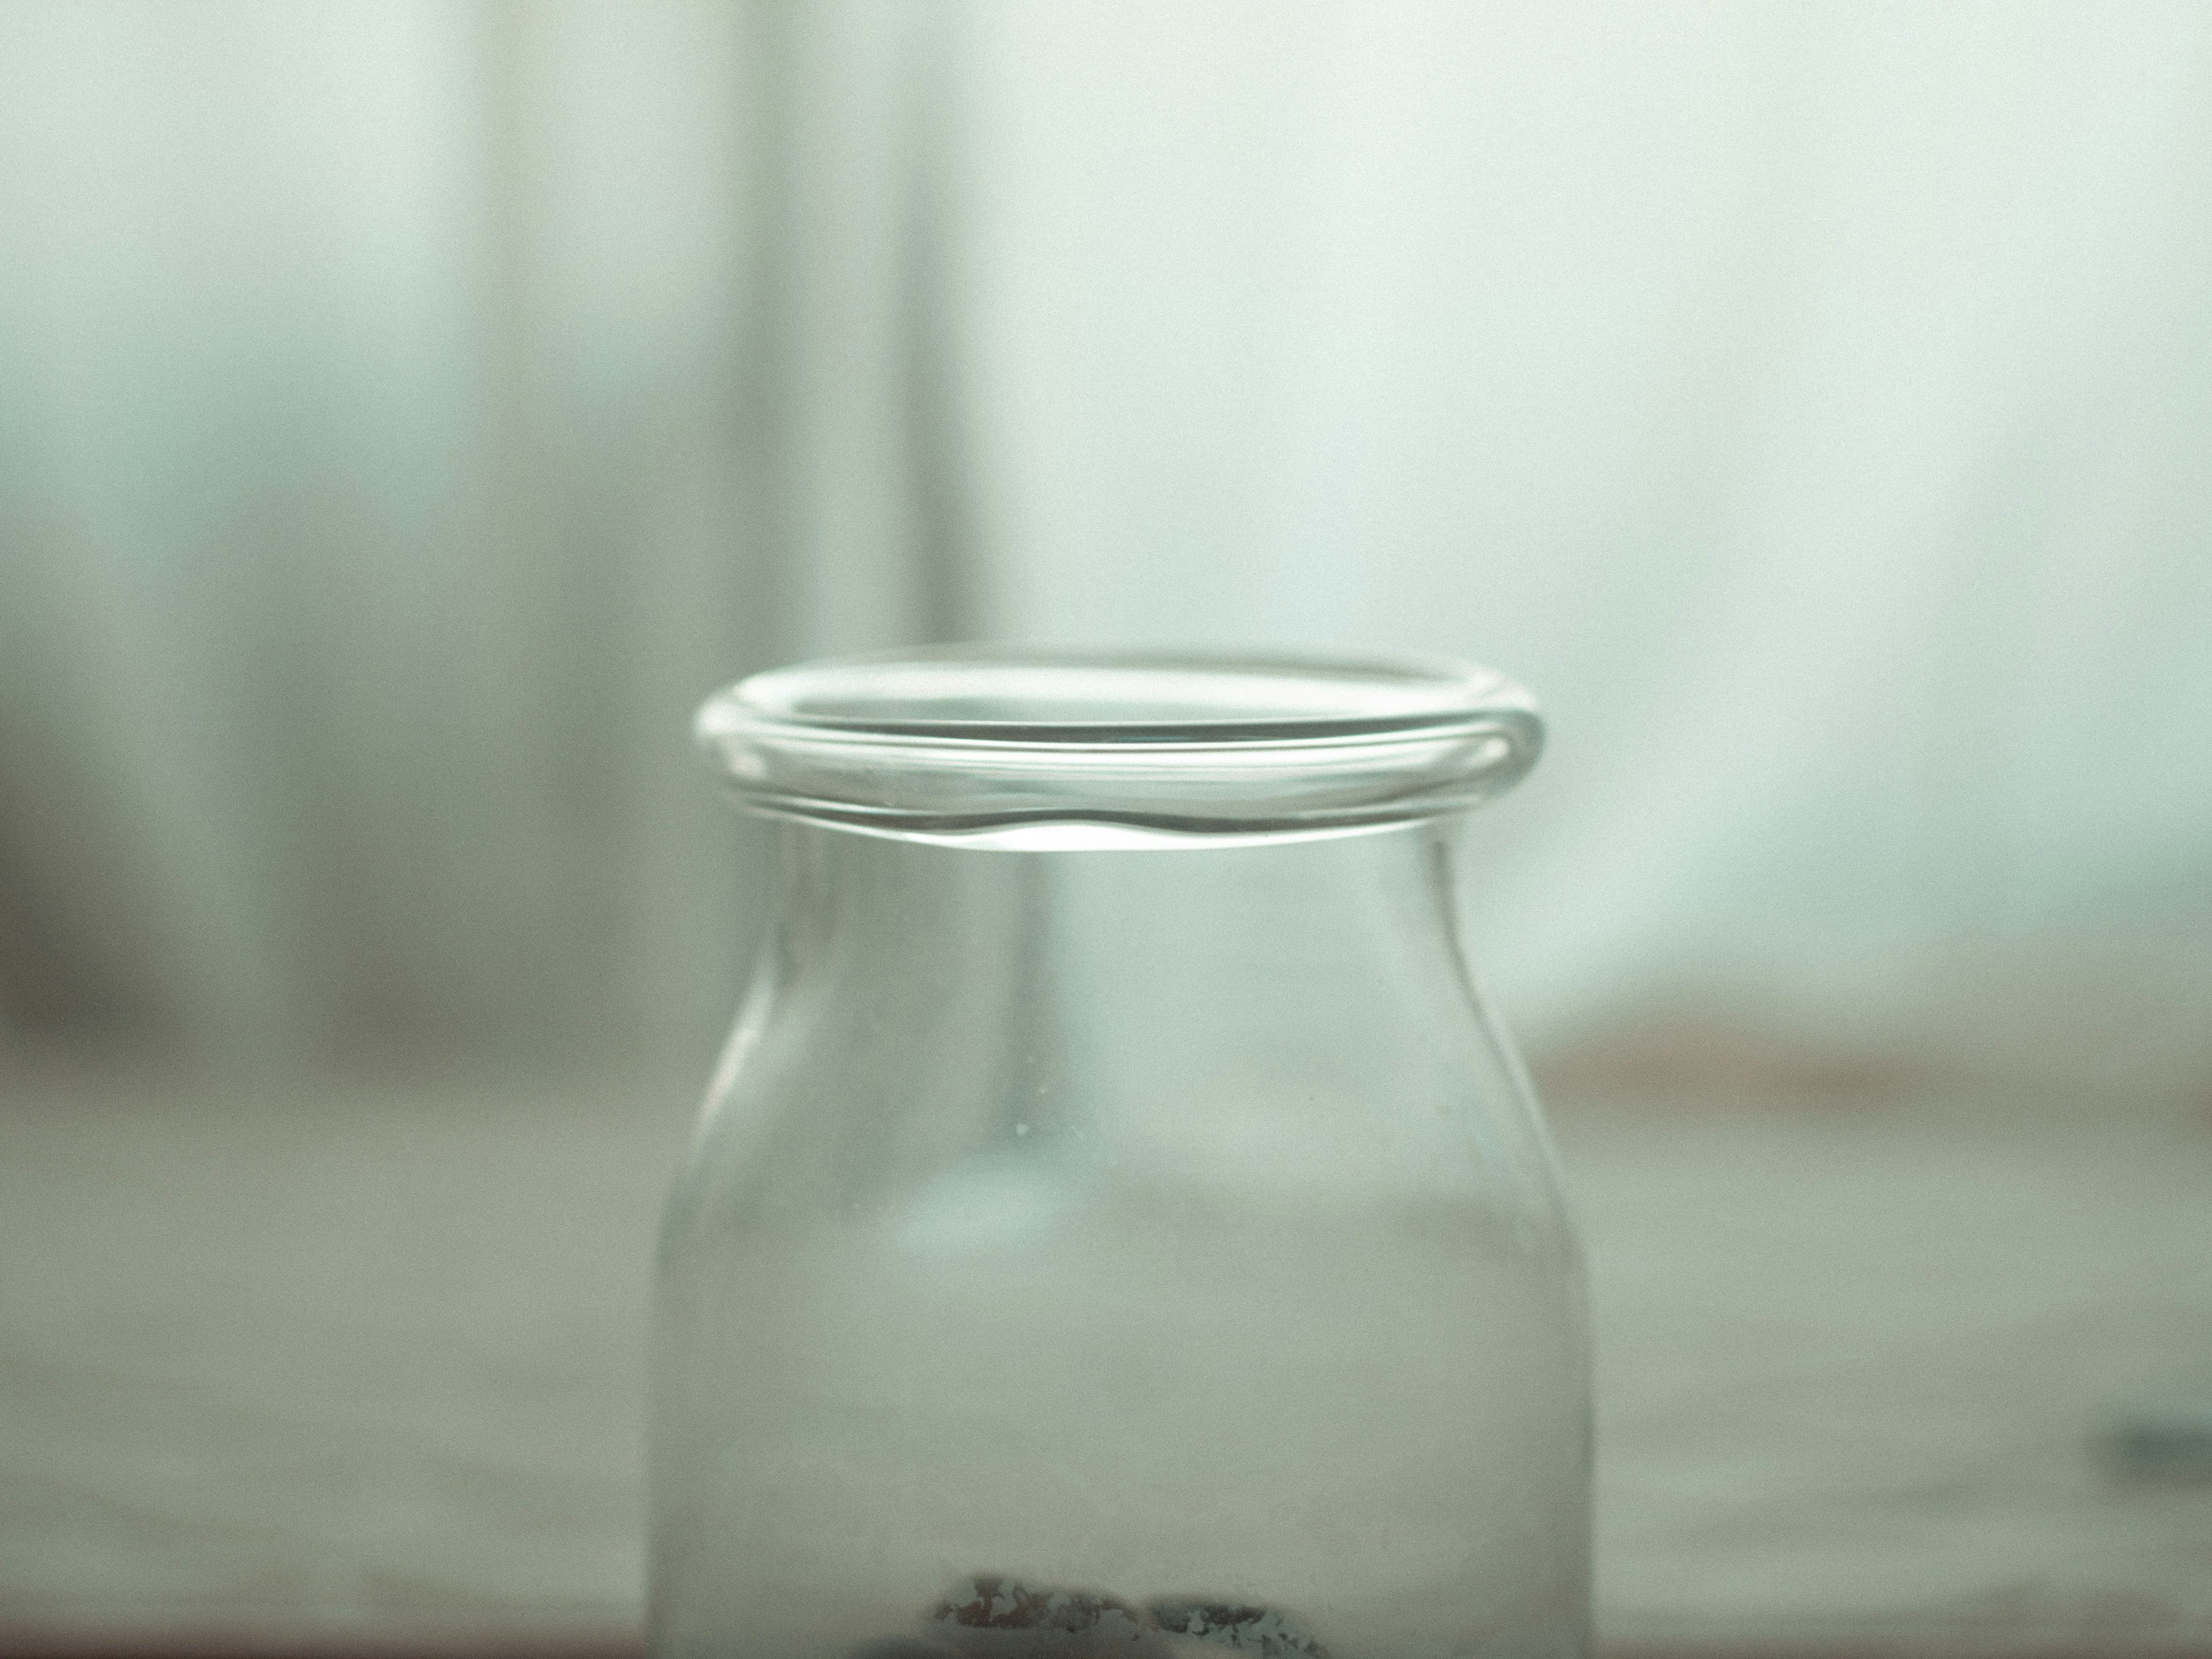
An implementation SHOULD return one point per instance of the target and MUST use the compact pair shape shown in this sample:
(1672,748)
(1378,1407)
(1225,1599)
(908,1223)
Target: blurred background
(410,411)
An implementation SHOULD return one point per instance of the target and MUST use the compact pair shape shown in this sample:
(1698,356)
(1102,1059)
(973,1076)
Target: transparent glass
(1116,1224)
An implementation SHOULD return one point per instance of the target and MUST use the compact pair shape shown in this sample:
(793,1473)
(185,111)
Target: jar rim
(983,744)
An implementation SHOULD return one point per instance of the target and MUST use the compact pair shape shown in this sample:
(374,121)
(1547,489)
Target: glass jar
(1116,1224)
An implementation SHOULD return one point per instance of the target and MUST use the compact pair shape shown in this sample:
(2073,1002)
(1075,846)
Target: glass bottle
(1116,1224)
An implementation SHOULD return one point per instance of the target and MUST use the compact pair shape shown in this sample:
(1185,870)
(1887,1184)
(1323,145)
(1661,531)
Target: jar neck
(1087,977)
(1263,909)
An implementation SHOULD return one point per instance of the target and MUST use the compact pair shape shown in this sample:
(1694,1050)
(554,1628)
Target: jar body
(1140,1251)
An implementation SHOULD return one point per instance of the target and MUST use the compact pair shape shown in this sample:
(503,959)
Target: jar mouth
(1040,748)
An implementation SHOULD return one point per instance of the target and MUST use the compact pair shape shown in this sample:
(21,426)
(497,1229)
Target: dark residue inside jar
(991,1615)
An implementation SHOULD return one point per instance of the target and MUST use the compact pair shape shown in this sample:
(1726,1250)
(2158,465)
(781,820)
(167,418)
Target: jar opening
(1040,748)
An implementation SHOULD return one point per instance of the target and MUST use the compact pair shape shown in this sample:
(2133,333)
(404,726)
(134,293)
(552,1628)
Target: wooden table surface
(359,1370)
